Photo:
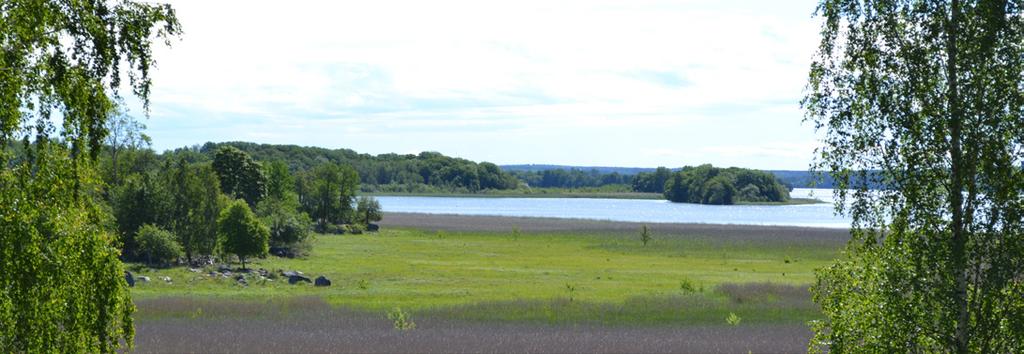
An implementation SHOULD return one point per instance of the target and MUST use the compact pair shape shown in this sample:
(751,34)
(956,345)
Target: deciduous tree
(930,94)
(368,210)
(241,233)
(61,283)
(240,176)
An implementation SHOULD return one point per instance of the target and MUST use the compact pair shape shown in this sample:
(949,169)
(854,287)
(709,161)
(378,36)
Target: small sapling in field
(401,319)
(645,235)
(572,291)
(733,319)
(686,286)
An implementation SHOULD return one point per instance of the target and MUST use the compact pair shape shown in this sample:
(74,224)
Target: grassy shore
(542,193)
(566,193)
(484,274)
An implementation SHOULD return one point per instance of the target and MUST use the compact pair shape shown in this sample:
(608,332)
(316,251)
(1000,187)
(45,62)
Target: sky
(586,83)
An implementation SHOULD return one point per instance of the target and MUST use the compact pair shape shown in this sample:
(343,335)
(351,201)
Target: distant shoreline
(450,222)
(582,195)
(596,195)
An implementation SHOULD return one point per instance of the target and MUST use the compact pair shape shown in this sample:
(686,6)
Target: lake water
(653,211)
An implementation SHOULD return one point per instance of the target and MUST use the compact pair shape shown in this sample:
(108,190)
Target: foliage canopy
(722,186)
(241,233)
(61,284)
(929,94)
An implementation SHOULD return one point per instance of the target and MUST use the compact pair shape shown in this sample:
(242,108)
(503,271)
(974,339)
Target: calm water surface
(815,215)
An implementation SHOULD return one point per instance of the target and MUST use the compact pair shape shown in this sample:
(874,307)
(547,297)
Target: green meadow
(553,277)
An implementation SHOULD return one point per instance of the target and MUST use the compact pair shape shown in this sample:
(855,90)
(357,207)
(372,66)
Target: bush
(368,210)
(733,319)
(401,319)
(355,229)
(157,246)
(686,285)
(288,227)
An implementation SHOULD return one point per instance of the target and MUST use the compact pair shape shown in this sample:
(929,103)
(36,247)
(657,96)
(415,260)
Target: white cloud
(588,74)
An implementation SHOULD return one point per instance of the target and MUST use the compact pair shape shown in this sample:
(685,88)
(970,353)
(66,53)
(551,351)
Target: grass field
(472,284)
(605,277)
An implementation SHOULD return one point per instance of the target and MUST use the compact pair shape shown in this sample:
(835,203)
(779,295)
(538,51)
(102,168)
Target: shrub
(288,227)
(368,210)
(331,229)
(355,229)
(157,246)
(686,285)
(401,319)
(733,319)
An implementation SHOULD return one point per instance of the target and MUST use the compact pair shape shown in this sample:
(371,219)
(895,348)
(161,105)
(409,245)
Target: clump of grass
(645,235)
(401,319)
(515,233)
(733,319)
(686,285)
(363,284)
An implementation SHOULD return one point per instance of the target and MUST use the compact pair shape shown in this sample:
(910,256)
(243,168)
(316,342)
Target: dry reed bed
(309,325)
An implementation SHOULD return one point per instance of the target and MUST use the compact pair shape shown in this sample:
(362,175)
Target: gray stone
(372,227)
(322,281)
(129,278)
(292,279)
(143,278)
(291,273)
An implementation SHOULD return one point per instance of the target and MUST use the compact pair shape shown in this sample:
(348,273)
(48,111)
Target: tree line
(426,171)
(570,178)
(188,195)
(706,184)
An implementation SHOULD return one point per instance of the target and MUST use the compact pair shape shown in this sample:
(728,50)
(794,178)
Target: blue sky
(611,83)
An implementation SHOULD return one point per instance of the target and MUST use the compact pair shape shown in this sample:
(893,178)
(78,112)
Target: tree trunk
(959,242)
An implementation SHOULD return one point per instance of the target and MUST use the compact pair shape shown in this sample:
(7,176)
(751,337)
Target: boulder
(372,227)
(129,278)
(291,273)
(143,278)
(166,279)
(322,281)
(292,279)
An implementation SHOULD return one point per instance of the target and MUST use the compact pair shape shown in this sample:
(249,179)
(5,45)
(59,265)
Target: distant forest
(432,172)
(425,172)
(791,178)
